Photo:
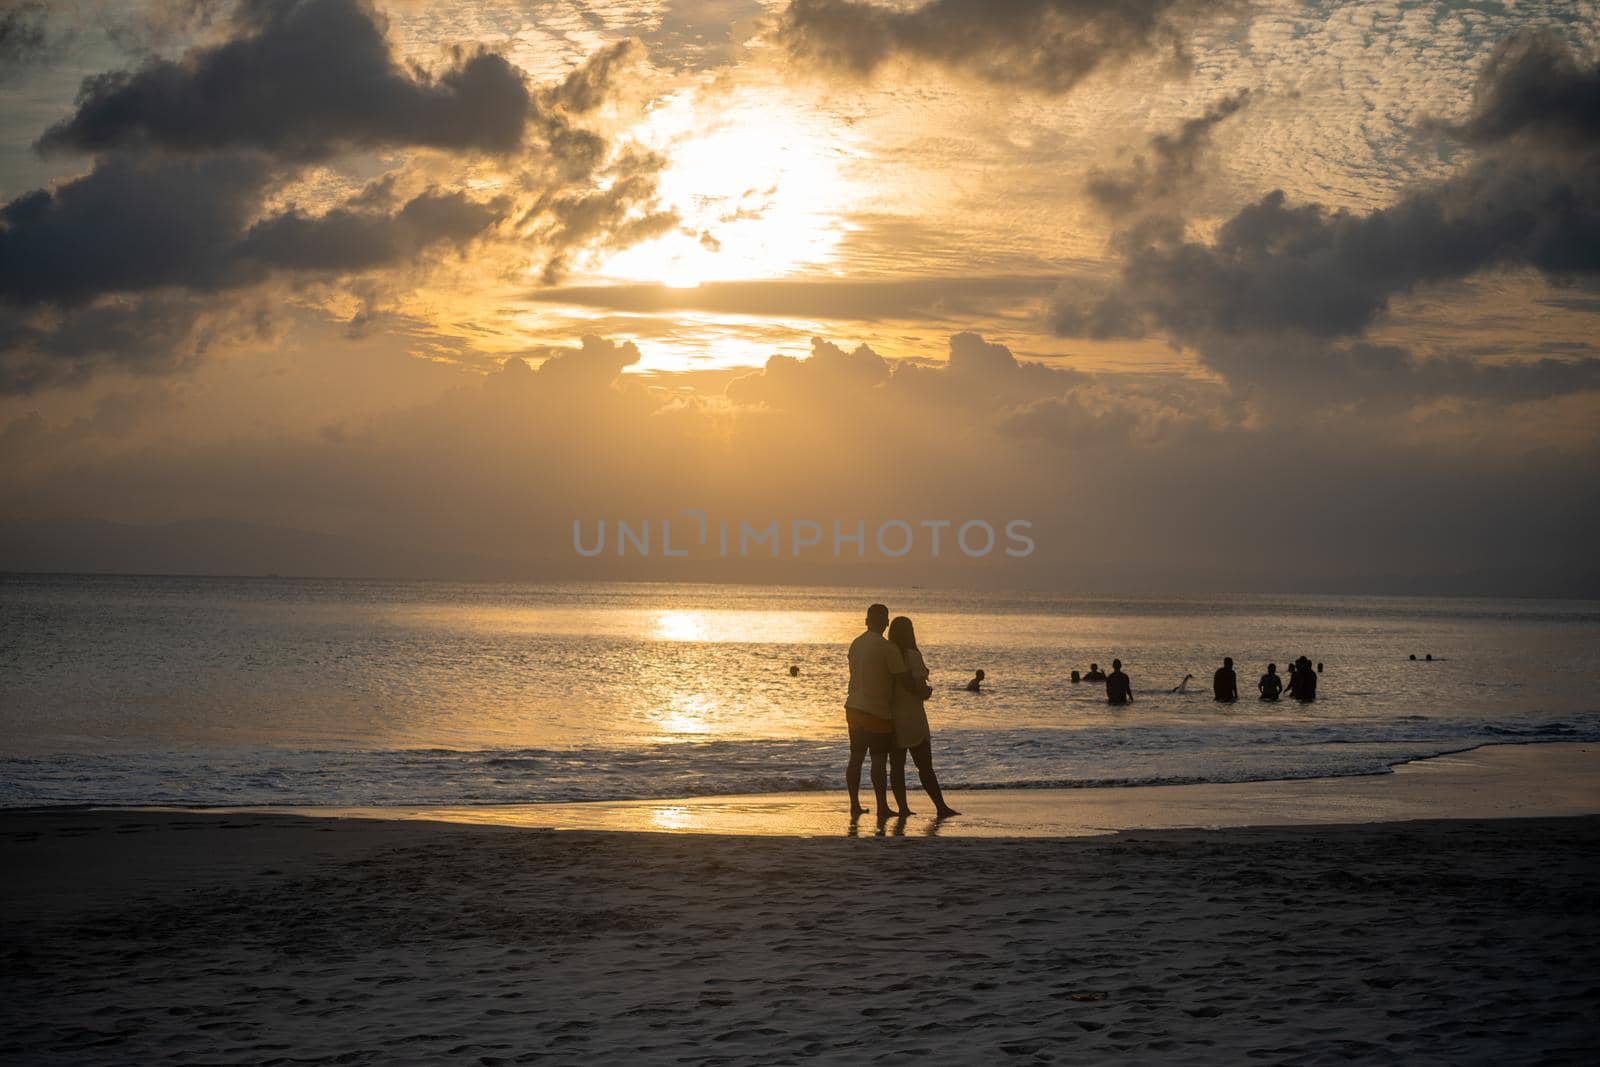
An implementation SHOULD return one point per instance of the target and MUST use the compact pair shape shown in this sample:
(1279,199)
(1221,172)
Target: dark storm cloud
(129,224)
(117,267)
(300,79)
(1047,45)
(860,301)
(345,240)
(135,224)
(1269,297)
(1277,265)
(1533,82)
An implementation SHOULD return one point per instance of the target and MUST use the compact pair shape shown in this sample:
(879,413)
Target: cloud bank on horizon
(1221,287)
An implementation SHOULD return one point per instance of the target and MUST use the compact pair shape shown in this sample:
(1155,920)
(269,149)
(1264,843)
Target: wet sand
(1493,782)
(182,937)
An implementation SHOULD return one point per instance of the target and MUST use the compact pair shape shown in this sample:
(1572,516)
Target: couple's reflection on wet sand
(894,826)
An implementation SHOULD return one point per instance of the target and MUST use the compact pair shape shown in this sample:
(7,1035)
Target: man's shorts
(868,732)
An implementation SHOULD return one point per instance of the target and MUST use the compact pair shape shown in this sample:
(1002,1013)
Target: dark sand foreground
(139,938)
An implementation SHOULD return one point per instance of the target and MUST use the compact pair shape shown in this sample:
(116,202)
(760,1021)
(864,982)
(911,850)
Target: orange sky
(1201,287)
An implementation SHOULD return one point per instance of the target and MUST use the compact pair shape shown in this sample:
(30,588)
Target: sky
(1212,295)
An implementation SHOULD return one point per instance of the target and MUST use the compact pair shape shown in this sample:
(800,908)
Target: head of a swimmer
(878,618)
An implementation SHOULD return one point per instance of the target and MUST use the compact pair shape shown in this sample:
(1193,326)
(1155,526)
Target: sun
(758,181)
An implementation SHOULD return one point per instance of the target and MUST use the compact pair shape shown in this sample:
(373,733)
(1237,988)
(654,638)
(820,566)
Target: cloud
(194,158)
(1170,166)
(23,37)
(134,224)
(1045,45)
(828,375)
(301,79)
(1098,418)
(595,80)
(128,225)
(595,363)
(1533,83)
(150,333)
(976,375)
(1388,376)
(868,300)
(1103,465)
(1286,292)
(622,212)
(348,239)
(114,268)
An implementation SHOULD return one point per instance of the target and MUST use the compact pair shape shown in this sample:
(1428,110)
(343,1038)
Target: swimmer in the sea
(1119,689)
(976,685)
(1183,686)
(1095,674)
(1225,683)
(1271,685)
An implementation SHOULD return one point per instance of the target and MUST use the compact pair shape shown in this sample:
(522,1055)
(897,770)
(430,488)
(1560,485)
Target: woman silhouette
(911,727)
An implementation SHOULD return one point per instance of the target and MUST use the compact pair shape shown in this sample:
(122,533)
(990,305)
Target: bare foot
(904,813)
(856,811)
(884,814)
(945,813)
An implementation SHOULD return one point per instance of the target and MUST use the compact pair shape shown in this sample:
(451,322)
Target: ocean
(269,691)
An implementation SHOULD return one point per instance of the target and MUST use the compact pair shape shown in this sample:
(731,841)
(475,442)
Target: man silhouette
(1118,689)
(1225,683)
(1270,685)
(1305,687)
(876,667)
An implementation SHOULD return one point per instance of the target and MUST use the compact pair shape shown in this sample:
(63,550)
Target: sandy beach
(183,937)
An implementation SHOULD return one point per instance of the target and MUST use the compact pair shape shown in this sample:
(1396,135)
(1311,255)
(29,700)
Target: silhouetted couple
(885,712)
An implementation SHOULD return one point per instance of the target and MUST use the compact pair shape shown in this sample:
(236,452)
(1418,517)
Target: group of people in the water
(1301,683)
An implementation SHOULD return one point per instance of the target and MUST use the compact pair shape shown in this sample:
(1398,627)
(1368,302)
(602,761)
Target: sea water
(251,691)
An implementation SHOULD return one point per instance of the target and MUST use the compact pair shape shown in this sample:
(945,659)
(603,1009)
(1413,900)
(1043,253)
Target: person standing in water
(911,732)
(1305,689)
(1270,685)
(1119,690)
(1094,674)
(877,671)
(1225,683)
(974,686)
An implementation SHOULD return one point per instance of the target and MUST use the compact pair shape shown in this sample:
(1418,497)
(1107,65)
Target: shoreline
(1490,781)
